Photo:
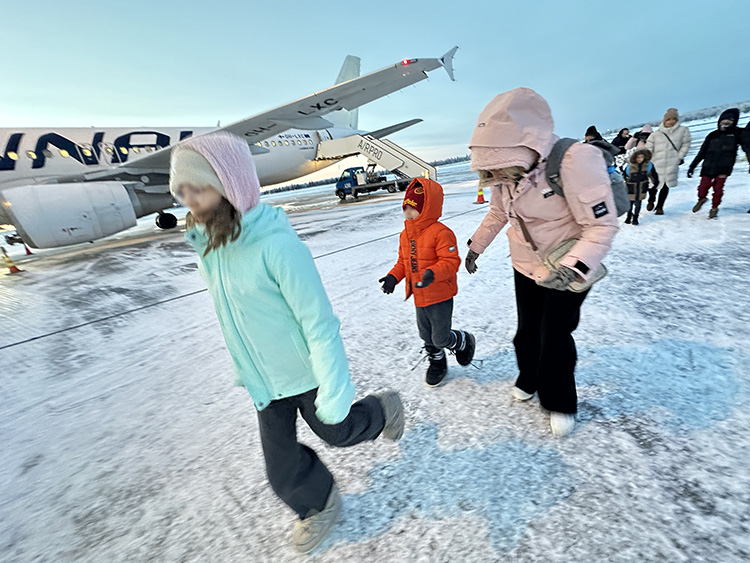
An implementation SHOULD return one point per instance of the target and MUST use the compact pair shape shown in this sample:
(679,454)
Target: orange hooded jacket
(427,244)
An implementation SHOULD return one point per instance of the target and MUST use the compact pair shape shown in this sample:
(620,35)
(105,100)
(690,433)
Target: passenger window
(31,155)
(286,143)
(64,153)
(266,143)
(47,153)
(273,143)
(13,155)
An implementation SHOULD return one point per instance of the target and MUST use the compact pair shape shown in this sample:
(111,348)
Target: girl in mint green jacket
(278,325)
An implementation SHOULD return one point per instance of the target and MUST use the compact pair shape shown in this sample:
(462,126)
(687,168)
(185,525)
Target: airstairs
(382,152)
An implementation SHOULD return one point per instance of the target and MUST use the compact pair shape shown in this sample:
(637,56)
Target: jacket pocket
(301,347)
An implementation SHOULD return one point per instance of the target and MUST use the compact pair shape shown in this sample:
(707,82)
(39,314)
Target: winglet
(447,62)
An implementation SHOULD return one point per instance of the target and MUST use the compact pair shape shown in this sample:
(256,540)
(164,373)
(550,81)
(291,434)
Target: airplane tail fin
(344,118)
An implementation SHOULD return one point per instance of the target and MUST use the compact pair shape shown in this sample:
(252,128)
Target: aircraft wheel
(166,221)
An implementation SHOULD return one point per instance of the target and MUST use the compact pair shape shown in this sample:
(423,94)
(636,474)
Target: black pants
(635,208)
(434,324)
(663,193)
(545,349)
(295,472)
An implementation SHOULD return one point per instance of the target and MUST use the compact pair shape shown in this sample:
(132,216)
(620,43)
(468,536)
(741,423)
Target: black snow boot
(635,219)
(464,347)
(438,368)
(629,218)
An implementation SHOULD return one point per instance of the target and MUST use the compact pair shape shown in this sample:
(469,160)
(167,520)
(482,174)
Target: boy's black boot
(635,219)
(438,368)
(629,218)
(465,346)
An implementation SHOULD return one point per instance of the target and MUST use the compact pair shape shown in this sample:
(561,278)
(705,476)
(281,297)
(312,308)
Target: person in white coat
(669,144)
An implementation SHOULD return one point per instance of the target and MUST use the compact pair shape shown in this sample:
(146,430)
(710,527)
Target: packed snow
(125,440)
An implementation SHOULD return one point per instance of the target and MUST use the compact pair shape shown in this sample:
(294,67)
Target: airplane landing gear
(166,221)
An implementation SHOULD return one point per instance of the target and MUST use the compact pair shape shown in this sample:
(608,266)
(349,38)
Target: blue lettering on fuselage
(85,154)
(7,163)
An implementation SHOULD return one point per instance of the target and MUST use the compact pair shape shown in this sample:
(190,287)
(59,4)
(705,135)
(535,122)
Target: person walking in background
(557,243)
(638,141)
(278,325)
(609,151)
(622,139)
(637,176)
(668,145)
(718,153)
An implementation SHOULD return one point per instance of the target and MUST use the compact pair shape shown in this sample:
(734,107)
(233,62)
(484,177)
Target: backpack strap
(553,162)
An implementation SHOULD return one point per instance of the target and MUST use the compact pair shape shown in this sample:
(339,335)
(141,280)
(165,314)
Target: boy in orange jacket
(428,259)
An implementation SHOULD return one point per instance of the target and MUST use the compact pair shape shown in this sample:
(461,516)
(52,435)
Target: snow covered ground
(125,440)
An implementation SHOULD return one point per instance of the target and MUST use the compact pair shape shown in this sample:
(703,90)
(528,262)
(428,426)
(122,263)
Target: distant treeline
(315,183)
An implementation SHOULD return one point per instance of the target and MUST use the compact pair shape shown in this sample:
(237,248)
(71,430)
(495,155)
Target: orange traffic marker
(28,250)
(480,196)
(8,262)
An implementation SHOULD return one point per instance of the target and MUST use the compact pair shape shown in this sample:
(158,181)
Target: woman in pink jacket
(557,243)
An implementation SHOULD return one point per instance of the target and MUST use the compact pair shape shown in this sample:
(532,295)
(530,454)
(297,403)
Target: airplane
(67,186)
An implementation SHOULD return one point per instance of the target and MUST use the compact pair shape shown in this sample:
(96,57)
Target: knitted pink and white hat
(220,160)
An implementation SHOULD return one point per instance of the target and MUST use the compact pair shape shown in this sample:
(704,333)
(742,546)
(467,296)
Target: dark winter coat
(719,150)
(637,175)
(621,141)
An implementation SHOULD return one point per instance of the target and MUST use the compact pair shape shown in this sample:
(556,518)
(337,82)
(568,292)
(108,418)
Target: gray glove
(471,261)
(427,278)
(559,279)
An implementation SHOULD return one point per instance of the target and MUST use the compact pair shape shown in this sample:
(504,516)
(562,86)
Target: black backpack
(552,172)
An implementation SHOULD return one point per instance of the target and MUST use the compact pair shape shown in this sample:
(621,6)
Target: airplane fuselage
(34,156)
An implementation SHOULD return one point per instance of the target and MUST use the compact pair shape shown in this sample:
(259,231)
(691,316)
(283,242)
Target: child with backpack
(278,325)
(637,175)
(428,260)
(718,153)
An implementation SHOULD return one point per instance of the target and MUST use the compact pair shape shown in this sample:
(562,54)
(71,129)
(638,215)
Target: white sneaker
(310,532)
(520,395)
(562,423)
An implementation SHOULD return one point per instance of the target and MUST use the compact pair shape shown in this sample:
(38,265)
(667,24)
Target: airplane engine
(52,215)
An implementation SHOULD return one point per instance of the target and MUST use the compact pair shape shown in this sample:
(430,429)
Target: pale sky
(192,63)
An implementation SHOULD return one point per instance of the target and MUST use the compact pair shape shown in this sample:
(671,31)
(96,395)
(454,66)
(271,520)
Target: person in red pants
(718,153)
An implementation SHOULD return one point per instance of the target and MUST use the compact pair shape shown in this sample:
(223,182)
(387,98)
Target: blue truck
(358,180)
